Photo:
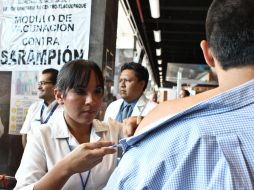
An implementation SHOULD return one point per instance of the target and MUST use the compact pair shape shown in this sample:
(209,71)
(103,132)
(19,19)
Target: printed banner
(38,34)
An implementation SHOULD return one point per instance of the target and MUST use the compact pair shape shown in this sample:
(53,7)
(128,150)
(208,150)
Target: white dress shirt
(142,108)
(47,144)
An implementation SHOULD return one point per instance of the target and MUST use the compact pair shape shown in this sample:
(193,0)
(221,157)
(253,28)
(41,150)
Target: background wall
(10,145)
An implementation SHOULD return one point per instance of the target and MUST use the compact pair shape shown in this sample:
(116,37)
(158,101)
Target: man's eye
(124,80)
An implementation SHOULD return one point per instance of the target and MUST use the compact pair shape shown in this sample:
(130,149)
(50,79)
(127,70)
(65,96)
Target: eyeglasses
(42,83)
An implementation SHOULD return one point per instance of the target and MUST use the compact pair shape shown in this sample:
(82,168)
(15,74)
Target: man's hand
(130,125)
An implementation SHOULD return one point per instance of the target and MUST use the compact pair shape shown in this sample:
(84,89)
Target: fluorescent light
(160,73)
(155,8)
(157,35)
(160,68)
(159,62)
(158,52)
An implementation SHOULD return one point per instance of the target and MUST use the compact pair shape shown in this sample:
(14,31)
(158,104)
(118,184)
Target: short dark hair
(140,71)
(230,32)
(76,74)
(53,74)
(187,93)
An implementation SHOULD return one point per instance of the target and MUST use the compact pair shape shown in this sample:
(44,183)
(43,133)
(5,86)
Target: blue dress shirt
(209,146)
(119,116)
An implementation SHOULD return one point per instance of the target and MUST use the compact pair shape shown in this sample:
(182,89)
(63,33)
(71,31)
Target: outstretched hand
(81,159)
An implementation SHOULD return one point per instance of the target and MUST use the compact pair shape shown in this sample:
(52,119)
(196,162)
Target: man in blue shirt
(204,141)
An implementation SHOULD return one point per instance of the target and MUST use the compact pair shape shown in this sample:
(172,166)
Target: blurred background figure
(155,97)
(44,110)
(184,93)
(1,128)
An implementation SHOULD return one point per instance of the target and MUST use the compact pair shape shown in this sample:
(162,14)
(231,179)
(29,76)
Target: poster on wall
(23,94)
(35,34)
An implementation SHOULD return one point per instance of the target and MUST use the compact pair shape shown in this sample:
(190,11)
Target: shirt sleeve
(27,123)
(106,115)
(33,164)
(109,112)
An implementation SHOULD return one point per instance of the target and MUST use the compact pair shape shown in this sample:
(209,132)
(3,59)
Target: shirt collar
(223,102)
(50,105)
(132,103)
(60,129)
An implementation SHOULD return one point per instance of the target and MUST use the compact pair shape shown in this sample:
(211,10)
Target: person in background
(1,128)
(44,110)
(184,93)
(132,84)
(154,97)
(203,141)
(75,150)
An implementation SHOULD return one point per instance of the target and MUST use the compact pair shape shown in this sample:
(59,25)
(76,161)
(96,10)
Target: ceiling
(182,25)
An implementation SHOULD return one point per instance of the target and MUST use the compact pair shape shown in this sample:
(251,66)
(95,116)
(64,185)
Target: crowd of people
(204,141)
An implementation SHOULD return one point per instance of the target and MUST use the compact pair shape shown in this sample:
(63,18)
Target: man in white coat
(132,84)
(44,110)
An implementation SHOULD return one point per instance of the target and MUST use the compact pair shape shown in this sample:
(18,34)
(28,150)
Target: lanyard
(81,178)
(50,114)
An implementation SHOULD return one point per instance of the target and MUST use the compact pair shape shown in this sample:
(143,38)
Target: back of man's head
(53,74)
(140,71)
(230,32)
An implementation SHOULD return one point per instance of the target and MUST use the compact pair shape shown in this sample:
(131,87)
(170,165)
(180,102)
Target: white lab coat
(33,115)
(142,107)
(47,145)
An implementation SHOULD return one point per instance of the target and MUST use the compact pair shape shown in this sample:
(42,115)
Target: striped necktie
(126,111)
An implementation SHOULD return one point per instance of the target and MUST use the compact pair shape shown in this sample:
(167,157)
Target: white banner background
(38,34)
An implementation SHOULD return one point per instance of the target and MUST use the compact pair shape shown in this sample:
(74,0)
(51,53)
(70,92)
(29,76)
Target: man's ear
(207,53)
(58,96)
(142,83)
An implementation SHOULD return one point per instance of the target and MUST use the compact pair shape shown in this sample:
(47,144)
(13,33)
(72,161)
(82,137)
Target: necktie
(125,111)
